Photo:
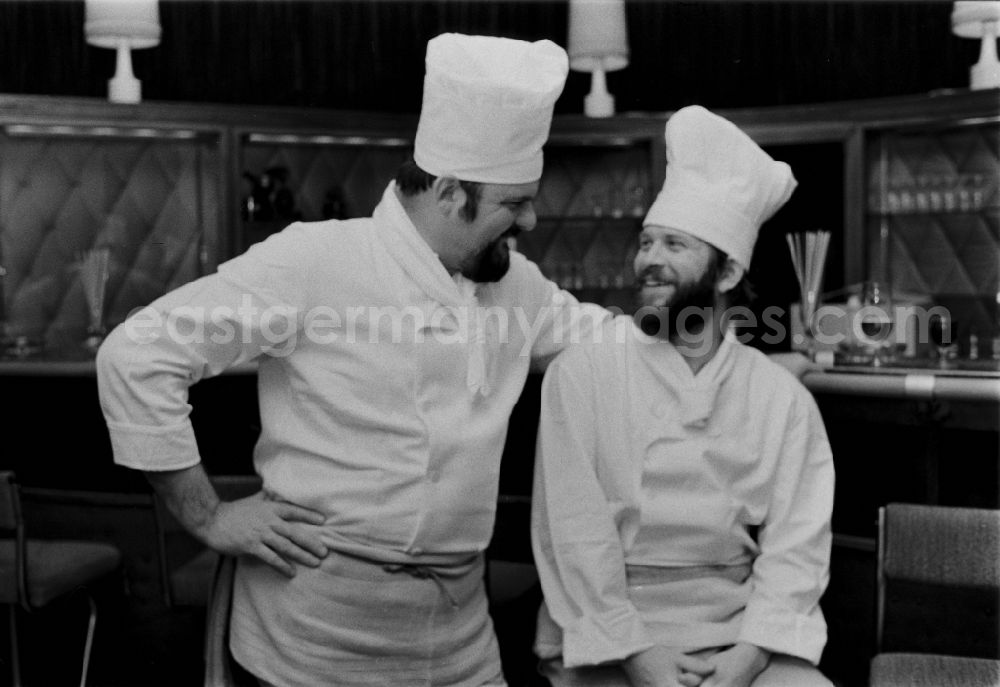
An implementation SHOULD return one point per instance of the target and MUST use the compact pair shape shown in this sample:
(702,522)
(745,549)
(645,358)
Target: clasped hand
(279,533)
(660,666)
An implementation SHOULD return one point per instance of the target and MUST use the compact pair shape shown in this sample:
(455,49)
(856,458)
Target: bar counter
(80,368)
(900,382)
(915,383)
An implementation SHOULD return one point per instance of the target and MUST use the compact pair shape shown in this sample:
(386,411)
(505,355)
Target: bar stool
(35,572)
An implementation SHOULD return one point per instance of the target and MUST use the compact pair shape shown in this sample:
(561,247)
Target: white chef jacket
(391,423)
(649,482)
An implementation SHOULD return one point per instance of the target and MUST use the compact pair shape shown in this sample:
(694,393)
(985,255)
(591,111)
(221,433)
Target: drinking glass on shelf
(596,206)
(922,196)
(617,202)
(979,191)
(808,252)
(877,321)
(93,267)
(965,188)
(943,330)
(808,304)
(638,201)
(3,312)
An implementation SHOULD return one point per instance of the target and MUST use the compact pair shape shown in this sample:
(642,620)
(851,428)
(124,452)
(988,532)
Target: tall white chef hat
(720,186)
(487,107)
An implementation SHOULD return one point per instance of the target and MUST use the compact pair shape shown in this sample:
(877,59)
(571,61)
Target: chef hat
(487,107)
(720,186)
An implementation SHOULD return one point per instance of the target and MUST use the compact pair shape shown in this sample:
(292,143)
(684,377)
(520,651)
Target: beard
(492,262)
(687,311)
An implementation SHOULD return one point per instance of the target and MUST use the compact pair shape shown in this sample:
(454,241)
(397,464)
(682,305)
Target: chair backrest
(175,544)
(938,576)
(12,580)
(228,487)
(218,668)
(233,487)
(221,669)
(10,507)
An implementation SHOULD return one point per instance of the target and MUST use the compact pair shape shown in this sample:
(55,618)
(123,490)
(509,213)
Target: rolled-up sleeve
(792,571)
(147,364)
(578,551)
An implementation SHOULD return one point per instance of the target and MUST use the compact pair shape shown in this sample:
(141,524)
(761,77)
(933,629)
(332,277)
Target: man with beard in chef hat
(384,398)
(683,482)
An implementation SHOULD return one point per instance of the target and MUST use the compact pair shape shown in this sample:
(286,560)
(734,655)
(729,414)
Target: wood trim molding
(813,121)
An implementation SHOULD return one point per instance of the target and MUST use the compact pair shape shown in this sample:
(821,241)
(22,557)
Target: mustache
(652,273)
(501,240)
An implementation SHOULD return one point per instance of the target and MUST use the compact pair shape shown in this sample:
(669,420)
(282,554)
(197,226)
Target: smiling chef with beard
(683,481)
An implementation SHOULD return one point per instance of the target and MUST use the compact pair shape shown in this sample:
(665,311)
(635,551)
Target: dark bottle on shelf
(257,205)
(333,204)
(282,199)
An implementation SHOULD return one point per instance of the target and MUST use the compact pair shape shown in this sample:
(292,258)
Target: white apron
(430,625)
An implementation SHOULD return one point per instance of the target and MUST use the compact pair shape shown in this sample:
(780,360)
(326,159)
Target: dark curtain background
(368,54)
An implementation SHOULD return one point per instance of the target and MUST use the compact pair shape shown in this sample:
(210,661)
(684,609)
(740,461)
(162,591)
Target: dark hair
(411,180)
(742,293)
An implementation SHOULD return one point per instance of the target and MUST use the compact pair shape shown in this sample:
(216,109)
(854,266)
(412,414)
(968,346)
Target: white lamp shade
(598,43)
(598,39)
(976,18)
(109,23)
(980,19)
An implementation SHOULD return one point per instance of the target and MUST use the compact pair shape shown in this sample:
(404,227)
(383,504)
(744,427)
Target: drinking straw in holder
(809,258)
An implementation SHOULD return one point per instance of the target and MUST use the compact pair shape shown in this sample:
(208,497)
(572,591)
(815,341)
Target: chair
(187,567)
(510,565)
(194,575)
(937,592)
(513,589)
(36,572)
(221,669)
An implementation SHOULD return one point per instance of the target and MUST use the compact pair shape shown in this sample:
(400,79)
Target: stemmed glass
(808,304)
(3,313)
(808,251)
(877,321)
(943,331)
(94,274)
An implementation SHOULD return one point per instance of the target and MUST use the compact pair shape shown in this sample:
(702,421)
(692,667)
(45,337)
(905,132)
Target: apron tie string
(422,572)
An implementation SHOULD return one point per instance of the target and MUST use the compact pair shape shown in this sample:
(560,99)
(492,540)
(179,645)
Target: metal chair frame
(880,581)
(13,521)
(228,488)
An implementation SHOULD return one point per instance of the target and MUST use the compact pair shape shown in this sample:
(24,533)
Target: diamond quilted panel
(938,191)
(594,181)
(590,203)
(608,261)
(153,203)
(582,252)
(359,174)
